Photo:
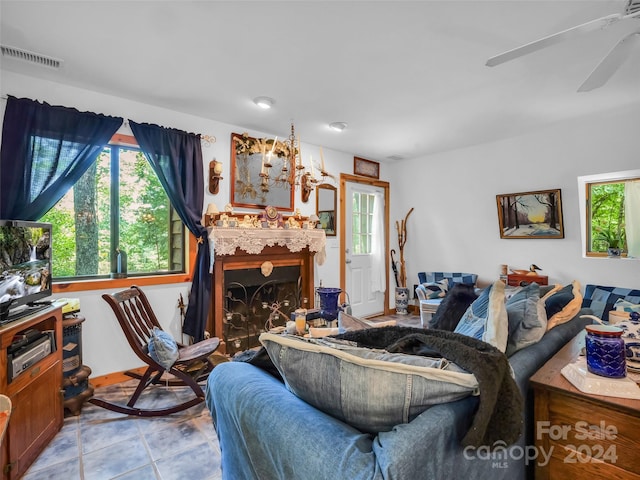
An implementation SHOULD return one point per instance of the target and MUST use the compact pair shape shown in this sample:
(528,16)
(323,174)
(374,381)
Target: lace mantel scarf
(253,240)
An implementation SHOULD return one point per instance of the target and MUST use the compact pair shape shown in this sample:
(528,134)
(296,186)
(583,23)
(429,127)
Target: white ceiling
(409,77)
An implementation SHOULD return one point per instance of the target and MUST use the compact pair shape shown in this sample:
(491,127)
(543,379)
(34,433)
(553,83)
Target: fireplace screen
(254,303)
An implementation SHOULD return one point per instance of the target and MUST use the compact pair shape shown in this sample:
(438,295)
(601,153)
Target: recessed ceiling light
(264,102)
(338,126)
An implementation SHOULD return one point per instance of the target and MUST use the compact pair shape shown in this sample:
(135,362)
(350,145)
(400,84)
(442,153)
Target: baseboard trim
(113,378)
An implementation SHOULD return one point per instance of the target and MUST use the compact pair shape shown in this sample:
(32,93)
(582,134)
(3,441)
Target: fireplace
(258,272)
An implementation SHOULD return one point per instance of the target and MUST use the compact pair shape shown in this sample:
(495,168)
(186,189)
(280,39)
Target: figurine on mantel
(246,222)
(533,270)
(293,223)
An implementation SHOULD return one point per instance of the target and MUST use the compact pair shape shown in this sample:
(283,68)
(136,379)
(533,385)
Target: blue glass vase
(328,302)
(605,351)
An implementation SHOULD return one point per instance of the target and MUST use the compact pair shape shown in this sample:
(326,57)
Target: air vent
(18,53)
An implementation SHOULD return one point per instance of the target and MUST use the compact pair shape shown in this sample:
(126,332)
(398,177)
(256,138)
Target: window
(362,218)
(610,212)
(116,219)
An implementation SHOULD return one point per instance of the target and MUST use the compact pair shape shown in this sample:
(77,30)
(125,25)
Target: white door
(365,253)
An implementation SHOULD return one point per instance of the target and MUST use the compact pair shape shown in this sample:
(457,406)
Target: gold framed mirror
(326,199)
(261,174)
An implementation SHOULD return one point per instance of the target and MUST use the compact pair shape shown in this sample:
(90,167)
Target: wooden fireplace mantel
(237,249)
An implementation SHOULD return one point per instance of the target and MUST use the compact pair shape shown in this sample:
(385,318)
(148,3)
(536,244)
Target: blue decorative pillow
(563,304)
(371,390)
(163,348)
(486,318)
(432,290)
(527,318)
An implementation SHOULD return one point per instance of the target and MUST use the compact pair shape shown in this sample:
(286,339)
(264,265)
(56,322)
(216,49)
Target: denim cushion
(486,318)
(163,348)
(562,304)
(372,390)
(601,299)
(527,318)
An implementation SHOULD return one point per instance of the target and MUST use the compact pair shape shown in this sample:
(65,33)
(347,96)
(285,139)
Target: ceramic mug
(632,350)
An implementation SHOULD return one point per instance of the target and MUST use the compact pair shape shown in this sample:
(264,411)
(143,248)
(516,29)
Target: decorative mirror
(326,198)
(261,173)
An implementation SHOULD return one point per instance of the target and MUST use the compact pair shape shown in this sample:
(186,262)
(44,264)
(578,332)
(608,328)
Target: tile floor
(99,444)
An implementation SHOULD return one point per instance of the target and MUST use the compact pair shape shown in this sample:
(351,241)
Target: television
(25,268)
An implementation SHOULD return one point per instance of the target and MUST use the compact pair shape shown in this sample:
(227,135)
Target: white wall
(455,223)
(105,349)
(454,226)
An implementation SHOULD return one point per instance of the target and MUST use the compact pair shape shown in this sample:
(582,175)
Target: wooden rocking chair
(137,319)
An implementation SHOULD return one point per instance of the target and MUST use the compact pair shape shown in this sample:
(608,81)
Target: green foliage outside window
(607,216)
(98,216)
(362,221)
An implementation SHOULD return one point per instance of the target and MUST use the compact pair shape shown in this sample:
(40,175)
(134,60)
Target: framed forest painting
(536,214)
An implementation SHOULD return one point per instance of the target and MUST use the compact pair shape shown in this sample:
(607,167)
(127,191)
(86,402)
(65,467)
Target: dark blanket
(499,414)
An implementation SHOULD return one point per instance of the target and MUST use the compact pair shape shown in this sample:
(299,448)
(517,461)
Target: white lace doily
(253,240)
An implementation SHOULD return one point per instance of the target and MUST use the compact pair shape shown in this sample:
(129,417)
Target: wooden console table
(516,279)
(590,436)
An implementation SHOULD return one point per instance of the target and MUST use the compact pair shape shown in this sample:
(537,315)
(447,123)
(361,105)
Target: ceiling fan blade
(554,38)
(610,63)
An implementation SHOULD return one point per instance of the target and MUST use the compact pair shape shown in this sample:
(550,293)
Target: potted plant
(614,238)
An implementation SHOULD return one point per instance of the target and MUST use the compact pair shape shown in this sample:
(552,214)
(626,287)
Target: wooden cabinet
(588,436)
(35,394)
(516,279)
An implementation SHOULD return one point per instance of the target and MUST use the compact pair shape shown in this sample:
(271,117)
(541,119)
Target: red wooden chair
(137,319)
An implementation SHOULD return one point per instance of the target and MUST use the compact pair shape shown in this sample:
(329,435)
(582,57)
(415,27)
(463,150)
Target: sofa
(267,432)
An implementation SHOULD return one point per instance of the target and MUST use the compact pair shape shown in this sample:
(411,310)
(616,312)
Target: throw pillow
(563,304)
(163,348)
(527,318)
(452,307)
(371,389)
(622,305)
(486,318)
(431,290)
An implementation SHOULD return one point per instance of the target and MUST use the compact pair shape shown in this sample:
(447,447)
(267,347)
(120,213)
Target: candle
(322,160)
(311,162)
(263,150)
(273,147)
(299,150)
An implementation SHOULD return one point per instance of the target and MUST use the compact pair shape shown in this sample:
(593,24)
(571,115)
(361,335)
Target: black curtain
(45,150)
(176,157)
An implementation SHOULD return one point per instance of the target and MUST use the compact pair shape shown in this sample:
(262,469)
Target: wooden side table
(587,436)
(516,279)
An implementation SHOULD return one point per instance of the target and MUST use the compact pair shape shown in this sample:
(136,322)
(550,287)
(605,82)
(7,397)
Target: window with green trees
(117,207)
(607,229)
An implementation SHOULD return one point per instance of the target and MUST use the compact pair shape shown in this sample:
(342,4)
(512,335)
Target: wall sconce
(215,170)
(306,186)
